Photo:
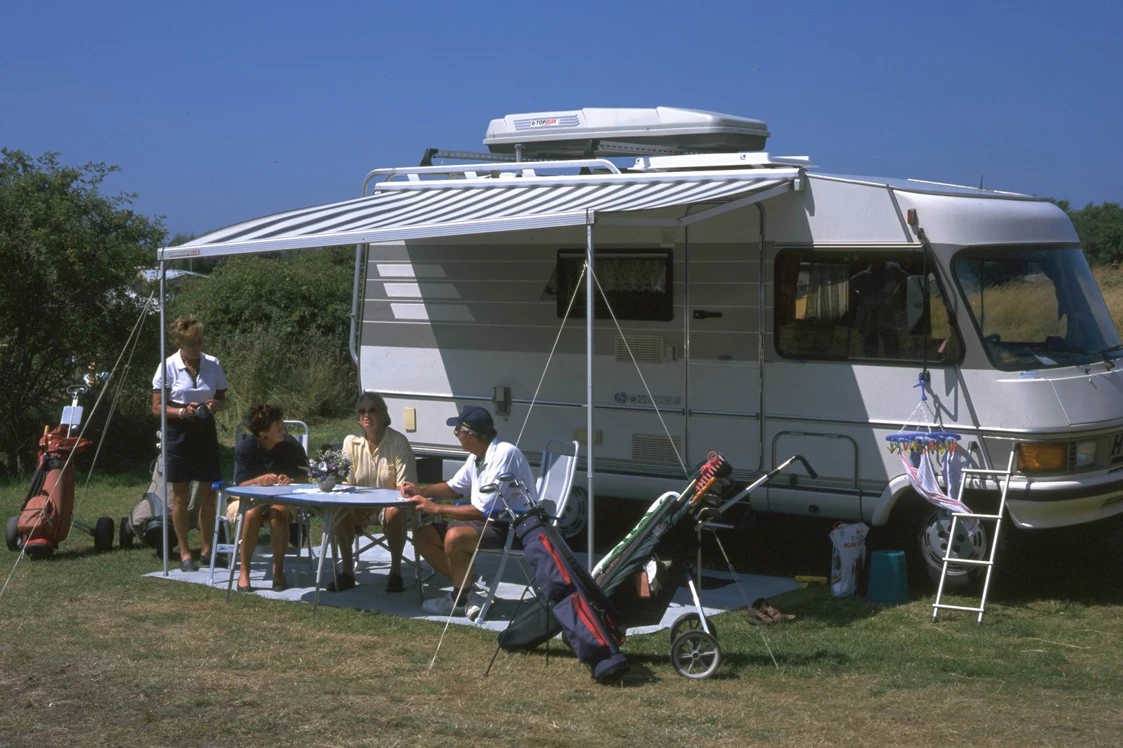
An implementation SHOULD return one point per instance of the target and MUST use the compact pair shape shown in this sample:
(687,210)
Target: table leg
(328,539)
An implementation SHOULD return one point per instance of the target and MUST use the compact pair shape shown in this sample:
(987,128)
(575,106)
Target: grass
(93,653)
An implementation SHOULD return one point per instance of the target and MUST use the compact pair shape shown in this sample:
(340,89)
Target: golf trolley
(45,517)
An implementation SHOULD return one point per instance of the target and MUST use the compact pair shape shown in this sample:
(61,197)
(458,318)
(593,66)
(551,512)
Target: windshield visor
(1036,308)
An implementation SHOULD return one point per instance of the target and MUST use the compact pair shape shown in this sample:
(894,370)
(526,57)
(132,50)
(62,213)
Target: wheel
(103,535)
(690,622)
(125,534)
(695,654)
(11,534)
(932,540)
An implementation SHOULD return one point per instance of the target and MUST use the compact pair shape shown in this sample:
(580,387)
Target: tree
(70,254)
(1100,228)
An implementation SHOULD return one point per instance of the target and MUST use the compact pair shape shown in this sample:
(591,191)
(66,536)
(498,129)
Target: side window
(860,306)
(639,284)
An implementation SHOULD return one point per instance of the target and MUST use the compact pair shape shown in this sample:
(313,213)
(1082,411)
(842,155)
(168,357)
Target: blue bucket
(889,580)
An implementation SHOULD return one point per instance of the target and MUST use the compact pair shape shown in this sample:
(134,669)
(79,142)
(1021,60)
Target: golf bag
(146,522)
(45,517)
(570,602)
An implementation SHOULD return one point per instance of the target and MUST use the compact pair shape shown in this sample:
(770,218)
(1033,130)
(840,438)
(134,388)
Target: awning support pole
(164,413)
(590,289)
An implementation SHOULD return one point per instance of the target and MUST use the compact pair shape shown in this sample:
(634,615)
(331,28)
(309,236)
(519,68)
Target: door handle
(703,314)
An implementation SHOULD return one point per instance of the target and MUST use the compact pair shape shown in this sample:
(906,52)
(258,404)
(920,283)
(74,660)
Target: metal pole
(164,413)
(590,289)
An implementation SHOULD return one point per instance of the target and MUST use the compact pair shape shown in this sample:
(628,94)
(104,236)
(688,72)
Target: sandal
(762,612)
(245,588)
(394,583)
(345,582)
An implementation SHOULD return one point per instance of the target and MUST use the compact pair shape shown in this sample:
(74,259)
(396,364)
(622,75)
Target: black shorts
(493,537)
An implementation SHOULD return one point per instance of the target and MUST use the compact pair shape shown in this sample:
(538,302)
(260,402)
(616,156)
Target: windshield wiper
(1108,359)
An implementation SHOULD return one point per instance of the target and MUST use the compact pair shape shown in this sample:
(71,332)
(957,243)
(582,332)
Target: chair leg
(235,554)
(214,541)
(493,587)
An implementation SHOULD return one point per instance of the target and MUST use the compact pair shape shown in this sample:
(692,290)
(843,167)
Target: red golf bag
(45,519)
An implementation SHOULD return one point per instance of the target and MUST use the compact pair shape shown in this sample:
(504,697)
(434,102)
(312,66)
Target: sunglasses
(464,430)
(368,411)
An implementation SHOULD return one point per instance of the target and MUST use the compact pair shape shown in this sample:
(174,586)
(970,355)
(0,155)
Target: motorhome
(746,304)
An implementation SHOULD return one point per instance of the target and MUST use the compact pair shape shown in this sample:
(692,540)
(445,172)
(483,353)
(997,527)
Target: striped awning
(425,209)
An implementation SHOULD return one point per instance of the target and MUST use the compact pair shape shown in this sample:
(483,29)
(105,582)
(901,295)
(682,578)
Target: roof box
(588,132)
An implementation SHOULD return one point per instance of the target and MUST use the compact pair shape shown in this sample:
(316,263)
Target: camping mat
(719,594)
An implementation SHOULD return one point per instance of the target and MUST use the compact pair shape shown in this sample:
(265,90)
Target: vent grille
(648,349)
(655,448)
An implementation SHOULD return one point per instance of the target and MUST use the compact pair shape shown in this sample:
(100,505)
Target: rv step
(945,606)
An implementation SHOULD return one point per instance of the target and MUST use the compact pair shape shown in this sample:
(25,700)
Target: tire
(695,655)
(931,530)
(11,534)
(690,622)
(103,535)
(125,534)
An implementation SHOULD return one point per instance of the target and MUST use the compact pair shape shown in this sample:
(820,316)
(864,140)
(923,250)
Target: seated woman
(380,458)
(270,458)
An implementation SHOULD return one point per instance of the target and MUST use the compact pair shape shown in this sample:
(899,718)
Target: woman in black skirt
(196,391)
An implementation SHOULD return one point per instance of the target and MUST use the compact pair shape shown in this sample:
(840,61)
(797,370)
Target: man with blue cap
(450,542)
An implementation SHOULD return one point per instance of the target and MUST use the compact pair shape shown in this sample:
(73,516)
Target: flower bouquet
(328,468)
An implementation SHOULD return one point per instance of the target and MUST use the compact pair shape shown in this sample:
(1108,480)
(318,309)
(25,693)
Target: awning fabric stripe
(420,210)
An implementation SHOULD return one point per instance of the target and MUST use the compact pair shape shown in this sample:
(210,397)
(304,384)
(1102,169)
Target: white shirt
(501,457)
(184,388)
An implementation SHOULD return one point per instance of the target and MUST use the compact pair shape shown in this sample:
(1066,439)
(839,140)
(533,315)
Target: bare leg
(181,520)
(460,544)
(278,539)
(251,524)
(394,527)
(206,519)
(431,548)
(345,539)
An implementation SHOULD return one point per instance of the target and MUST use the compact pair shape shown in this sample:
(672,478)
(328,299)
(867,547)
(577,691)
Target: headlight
(1042,458)
(1085,454)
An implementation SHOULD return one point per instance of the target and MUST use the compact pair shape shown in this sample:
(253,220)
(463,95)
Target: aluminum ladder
(987,562)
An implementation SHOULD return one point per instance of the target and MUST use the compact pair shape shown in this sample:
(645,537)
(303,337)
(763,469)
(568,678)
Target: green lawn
(93,653)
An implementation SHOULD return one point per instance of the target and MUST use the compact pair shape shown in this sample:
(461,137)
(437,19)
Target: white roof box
(591,132)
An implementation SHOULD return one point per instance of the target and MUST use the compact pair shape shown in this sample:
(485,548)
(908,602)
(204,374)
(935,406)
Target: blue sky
(220,112)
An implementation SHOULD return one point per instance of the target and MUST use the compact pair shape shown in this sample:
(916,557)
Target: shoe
(394,583)
(245,588)
(443,606)
(279,586)
(188,564)
(204,560)
(344,582)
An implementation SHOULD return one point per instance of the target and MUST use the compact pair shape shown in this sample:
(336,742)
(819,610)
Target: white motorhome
(772,310)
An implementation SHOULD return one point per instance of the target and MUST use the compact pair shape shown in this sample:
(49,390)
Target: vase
(327,484)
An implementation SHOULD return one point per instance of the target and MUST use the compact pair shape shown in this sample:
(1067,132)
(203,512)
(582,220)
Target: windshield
(1036,308)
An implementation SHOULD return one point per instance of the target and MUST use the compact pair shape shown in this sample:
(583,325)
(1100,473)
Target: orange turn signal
(1042,458)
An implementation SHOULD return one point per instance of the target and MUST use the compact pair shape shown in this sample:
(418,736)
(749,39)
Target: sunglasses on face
(459,430)
(368,411)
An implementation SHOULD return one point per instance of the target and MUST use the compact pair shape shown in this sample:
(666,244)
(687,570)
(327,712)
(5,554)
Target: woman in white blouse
(381,458)
(196,391)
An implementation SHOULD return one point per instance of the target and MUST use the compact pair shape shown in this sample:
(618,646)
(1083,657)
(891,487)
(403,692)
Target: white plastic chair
(234,533)
(555,481)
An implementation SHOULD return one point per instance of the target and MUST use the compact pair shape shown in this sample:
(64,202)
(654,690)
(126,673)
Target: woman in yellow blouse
(380,458)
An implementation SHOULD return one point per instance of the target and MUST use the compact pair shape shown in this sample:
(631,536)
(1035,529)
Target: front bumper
(1046,503)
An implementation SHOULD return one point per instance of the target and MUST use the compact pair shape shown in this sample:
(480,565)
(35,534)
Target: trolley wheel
(695,654)
(11,534)
(103,535)
(690,622)
(125,534)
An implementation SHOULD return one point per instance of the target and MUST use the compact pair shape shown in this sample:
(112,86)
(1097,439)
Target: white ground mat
(370,593)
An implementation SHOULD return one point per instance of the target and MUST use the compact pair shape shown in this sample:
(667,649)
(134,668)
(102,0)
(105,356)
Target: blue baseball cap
(473,418)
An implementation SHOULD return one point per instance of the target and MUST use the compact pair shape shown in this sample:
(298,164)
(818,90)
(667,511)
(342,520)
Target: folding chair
(555,479)
(302,519)
(373,541)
